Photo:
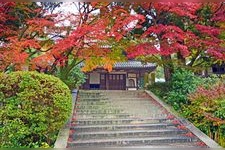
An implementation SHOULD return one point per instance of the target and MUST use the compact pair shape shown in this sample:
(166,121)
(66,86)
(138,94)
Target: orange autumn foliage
(40,42)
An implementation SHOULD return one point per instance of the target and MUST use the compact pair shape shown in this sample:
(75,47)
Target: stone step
(118,101)
(132,98)
(92,102)
(98,111)
(90,92)
(137,102)
(93,99)
(102,116)
(129,99)
(95,107)
(125,100)
(89,95)
(138,126)
(125,119)
(192,145)
(117,116)
(91,107)
(127,134)
(132,141)
(119,121)
(130,95)
(114,105)
(124,92)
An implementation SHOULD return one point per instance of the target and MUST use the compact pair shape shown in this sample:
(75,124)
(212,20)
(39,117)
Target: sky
(68,8)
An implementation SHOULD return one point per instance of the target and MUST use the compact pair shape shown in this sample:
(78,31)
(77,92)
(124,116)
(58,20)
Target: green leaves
(183,82)
(200,100)
(73,78)
(160,89)
(207,108)
(33,108)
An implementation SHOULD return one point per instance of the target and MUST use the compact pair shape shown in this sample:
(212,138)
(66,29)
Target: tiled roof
(133,64)
(130,64)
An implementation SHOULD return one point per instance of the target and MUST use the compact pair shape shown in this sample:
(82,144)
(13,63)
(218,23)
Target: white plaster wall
(135,81)
(132,89)
(94,78)
(127,81)
(131,76)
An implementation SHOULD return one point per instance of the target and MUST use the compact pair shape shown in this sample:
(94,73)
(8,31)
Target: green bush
(160,89)
(34,107)
(183,82)
(200,100)
(73,78)
(207,111)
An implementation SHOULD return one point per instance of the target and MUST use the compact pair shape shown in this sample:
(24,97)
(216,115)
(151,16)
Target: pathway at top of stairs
(126,119)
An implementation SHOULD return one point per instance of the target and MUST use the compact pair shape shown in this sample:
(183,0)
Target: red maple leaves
(164,40)
(168,38)
(38,40)
(41,42)
(218,53)
(187,9)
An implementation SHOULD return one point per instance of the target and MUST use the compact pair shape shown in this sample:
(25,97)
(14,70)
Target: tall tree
(185,33)
(48,41)
(22,28)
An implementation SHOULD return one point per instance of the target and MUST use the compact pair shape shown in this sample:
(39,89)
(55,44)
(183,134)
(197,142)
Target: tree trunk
(168,67)
(167,73)
(181,59)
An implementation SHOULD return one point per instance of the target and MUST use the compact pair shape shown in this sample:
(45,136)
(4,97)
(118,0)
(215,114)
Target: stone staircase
(126,119)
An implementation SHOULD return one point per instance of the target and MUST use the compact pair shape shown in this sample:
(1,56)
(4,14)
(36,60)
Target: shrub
(73,78)
(182,82)
(34,107)
(160,89)
(207,111)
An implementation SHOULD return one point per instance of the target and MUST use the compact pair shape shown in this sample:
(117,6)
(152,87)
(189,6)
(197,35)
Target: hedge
(34,107)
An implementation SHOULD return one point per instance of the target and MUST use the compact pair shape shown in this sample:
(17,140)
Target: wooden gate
(117,82)
(103,82)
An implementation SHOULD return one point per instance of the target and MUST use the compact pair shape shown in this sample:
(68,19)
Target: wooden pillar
(107,81)
(139,76)
(126,77)
(137,79)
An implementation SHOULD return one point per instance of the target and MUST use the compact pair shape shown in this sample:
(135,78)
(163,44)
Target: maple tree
(186,34)
(22,27)
(42,41)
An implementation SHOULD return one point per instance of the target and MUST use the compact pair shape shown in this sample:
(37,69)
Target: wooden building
(218,69)
(124,76)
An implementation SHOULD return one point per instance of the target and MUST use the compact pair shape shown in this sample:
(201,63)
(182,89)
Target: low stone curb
(61,141)
(208,141)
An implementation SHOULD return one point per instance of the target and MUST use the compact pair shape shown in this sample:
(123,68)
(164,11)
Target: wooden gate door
(103,82)
(117,82)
